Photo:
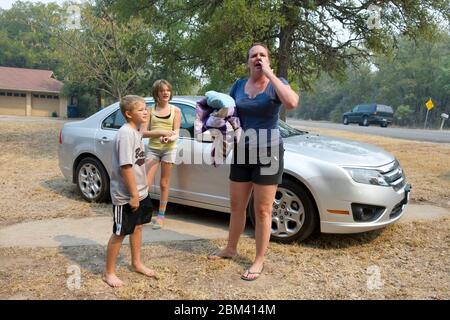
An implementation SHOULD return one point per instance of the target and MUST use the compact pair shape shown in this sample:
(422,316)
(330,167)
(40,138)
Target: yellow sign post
(429,104)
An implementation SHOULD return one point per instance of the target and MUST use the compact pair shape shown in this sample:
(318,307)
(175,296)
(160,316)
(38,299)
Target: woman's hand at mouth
(265,68)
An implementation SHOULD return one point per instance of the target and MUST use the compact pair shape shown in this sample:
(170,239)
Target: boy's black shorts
(125,220)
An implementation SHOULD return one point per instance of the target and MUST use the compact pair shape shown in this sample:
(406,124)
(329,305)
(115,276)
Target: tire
(300,226)
(384,124)
(365,122)
(345,121)
(92,180)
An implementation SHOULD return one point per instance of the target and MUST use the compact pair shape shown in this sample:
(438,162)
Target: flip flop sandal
(247,272)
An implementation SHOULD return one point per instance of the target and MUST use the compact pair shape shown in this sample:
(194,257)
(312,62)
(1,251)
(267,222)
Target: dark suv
(365,114)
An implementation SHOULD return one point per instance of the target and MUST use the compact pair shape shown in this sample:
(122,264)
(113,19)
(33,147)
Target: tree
(413,72)
(402,114)
(23,41)
(111,54)
(304,36)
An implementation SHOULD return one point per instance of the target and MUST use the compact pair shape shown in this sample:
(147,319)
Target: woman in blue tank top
(258,157)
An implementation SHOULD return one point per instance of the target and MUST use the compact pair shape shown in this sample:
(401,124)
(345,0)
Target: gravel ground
(403,261)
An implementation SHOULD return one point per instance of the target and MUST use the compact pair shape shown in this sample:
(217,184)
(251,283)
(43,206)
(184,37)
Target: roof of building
(35,80)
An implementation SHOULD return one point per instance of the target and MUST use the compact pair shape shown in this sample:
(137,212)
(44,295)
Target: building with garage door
(31,92)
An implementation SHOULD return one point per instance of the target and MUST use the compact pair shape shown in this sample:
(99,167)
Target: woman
(165,120)
(258,100)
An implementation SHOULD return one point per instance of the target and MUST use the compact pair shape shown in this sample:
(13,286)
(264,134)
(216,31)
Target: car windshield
(287,131)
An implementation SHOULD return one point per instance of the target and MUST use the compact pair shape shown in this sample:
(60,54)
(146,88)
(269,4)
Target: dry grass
(32,185)
(413,260)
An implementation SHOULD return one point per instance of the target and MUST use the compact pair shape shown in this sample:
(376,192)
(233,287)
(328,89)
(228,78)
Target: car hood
(338,151)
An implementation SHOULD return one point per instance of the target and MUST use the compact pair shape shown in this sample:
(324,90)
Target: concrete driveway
(181,225)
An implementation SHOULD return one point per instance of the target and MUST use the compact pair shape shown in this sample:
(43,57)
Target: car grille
(394,175)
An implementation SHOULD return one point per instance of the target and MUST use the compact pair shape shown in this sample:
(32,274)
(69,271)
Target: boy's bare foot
(112,280)
(145,271)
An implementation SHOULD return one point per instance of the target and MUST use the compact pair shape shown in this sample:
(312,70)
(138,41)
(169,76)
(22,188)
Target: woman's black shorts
(261,166)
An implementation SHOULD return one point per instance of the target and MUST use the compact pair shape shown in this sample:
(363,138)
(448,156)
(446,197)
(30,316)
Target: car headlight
(367,176)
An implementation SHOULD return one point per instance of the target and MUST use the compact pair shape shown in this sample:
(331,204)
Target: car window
(355,109)
(114,121)
(366,108)
(383,108)
(187,117)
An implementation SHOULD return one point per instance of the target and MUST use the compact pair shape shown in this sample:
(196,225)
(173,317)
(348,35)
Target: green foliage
(408,77)
(199,45)
(22,41)
(403,114)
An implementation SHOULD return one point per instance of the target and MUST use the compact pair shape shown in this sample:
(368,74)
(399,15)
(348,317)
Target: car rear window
(114,121)
(383,108)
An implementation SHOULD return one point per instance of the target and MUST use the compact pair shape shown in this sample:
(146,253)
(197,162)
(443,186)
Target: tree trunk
(285,38)
(99,99)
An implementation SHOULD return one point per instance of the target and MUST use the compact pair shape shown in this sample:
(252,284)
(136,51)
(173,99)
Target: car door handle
(104,140)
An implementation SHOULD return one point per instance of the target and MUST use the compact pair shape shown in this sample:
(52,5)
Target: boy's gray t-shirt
(128,149)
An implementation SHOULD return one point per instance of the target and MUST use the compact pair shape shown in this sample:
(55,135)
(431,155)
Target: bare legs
(166,170)
(263,196)
(109,276)
(152,167)
(239,194)
(114,245)
(135,244)
(263,201)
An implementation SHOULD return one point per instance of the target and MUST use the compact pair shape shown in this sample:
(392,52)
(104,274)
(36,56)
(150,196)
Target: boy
(132,205)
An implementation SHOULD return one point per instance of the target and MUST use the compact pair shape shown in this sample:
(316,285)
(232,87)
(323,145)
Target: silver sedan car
(331,185)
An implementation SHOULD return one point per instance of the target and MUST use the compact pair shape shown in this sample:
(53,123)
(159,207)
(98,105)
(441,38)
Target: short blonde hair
(157,86)
(129,102)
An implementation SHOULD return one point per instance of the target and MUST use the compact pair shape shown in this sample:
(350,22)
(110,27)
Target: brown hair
(157,86)
(258,44)
(129,102)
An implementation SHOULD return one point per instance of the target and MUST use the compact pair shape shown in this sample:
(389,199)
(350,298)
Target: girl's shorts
(168,156)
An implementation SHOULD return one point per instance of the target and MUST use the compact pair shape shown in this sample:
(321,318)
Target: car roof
(179,98)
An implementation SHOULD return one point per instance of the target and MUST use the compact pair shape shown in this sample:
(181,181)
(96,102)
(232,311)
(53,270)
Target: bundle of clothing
(217,114)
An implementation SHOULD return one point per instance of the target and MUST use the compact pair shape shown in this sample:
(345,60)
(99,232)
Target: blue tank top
(258,113)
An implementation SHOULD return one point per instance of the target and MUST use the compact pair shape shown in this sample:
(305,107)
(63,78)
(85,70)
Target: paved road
(400,133)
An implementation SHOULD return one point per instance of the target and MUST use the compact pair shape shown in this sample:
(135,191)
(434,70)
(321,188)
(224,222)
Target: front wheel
(92,180)
(345,121)
(294,214)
